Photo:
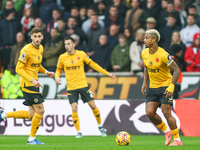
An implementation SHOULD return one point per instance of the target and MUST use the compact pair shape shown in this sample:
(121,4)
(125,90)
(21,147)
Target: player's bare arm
(58,80)
(36,83)
(112,75)
(146,78)
(50,74)
(176,72)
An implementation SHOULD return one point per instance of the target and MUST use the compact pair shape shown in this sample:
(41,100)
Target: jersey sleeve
(87,60)
(23,56)
(167,59)
(60,63)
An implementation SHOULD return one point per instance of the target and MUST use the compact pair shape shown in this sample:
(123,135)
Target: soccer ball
(123,138)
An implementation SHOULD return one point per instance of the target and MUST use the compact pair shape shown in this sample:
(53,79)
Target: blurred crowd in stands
(111,32)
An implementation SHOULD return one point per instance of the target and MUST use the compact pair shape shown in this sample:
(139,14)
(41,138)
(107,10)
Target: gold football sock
(75,119)
(175,133)
(97,115)
(35,124)
(162,126)
(18,114)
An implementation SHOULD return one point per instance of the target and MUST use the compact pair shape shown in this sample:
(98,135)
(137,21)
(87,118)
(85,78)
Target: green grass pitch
(147,142)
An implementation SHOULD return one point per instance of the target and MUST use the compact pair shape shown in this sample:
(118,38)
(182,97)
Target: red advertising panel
(188,112)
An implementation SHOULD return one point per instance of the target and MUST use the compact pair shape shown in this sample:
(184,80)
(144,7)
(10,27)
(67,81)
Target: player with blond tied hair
(158,65)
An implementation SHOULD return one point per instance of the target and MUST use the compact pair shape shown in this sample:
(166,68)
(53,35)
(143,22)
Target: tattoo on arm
(146,75)
(176,72)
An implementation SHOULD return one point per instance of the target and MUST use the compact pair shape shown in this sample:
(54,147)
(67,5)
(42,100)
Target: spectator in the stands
(101,9)
(179,8)
(162,18)
(188,32)
(56,14)
(45,10)
(9,27)
(132,15)
(11,83)
(164,4)
(150,23)
(102,53)
(15,52)
(176,39)
(72,28)
(114,18)
(38,23)
(87,23)
(61,27)
(79,45)
(177,51)
(8,8)
(197,5)
(27,21)
(113,35)
(192,10)
(52,50)
(129,35)
(17,5)
(93,34)
(186,3)
(75,13)
(31,4)
(83,14)
(192,55)
(135,51)
(120,59)
(122,8)
(150,11)
(167,30)
(68,4)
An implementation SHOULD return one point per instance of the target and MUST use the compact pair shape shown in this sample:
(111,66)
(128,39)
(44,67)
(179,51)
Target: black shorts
(86,95)
(32,98)
(157,95)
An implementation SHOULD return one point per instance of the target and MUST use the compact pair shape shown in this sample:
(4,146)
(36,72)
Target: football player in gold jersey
(73,64)
(158,64)
(28,65)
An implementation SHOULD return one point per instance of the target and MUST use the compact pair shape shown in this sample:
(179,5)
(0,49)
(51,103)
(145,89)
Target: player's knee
(40,111)
(74,108)
(167,115)
(93,106)
(150,114)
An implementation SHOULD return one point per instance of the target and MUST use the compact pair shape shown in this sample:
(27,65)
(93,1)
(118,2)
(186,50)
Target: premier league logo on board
(130,116)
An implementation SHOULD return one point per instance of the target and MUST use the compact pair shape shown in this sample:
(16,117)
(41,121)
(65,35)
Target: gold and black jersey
(74,69)
(157,67)
(29,63)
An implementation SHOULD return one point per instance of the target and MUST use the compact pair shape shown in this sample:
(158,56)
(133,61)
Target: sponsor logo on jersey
(35,65)
(73,68)
(153,70)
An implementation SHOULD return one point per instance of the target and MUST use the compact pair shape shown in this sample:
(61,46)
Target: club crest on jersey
(157,59)
(151,63)
(78,58)
(72,62)
(38,57)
